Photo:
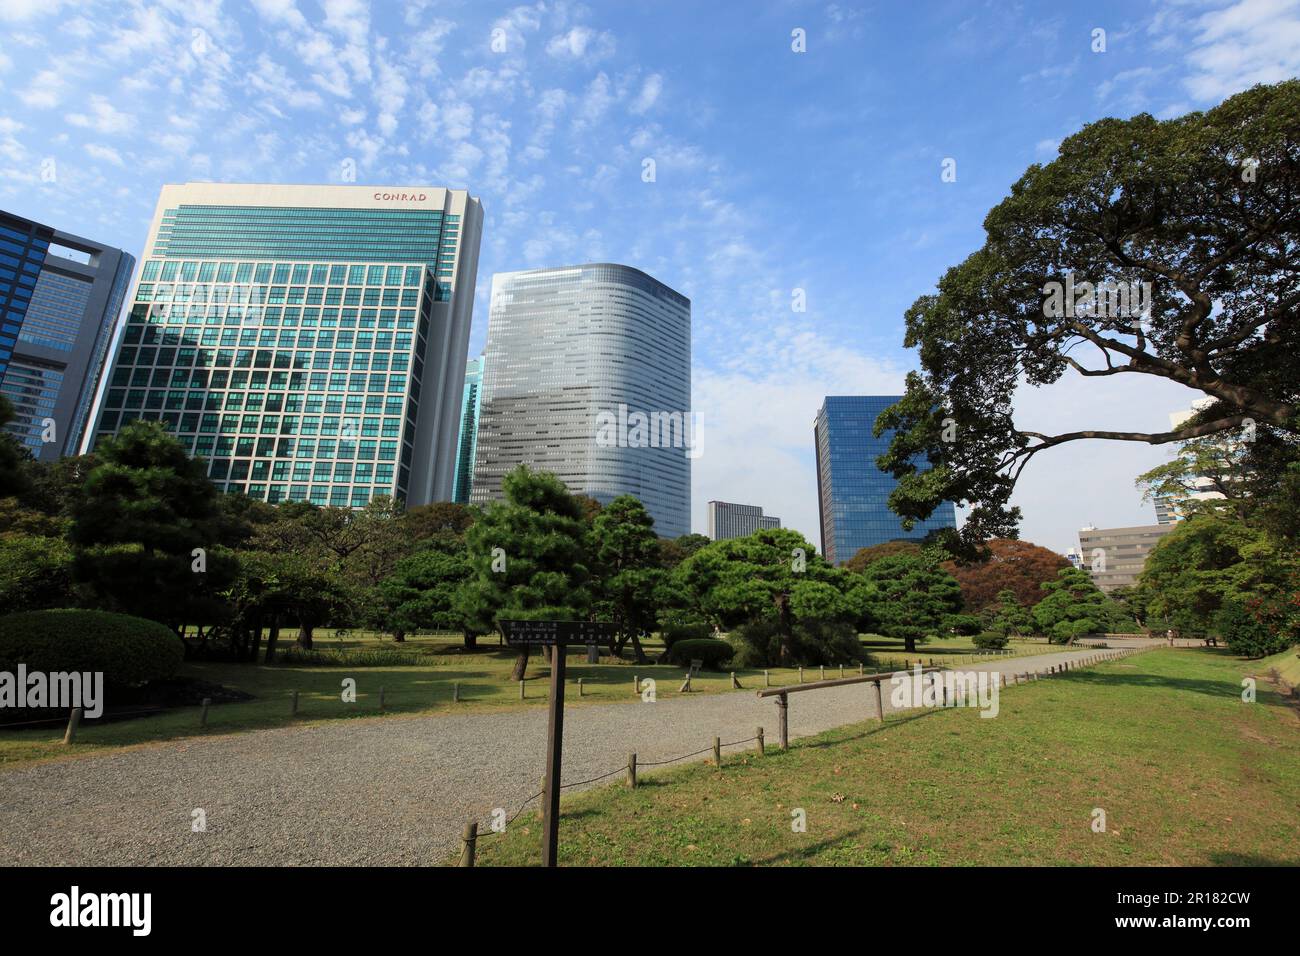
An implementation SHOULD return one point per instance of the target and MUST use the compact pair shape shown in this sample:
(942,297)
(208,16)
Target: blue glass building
(852,492)
(468,443)
(60,297)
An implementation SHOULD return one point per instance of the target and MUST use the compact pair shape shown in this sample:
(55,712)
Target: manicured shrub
(712,652)
(128,650)
(989,641)
(697,631)
(361,657)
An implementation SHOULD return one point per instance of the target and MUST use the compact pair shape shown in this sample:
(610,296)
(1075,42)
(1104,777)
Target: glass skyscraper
(469,408)
(852,492)
(307,342)
(60,298)
(588,375)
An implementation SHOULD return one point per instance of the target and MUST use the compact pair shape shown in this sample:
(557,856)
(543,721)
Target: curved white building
(588,375)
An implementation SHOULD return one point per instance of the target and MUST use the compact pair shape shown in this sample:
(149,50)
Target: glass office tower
(469,407)
(60,297)
(307,342)
(852,492)
(588,375)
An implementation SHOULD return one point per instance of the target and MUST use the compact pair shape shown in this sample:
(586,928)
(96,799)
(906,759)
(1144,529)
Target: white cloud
(105,153)
(649,95)
(582,43)
(16,11)
(1249,42)
(45,91)
(103,117)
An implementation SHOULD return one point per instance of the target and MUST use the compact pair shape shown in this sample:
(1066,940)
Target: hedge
(128,650)
(712,652)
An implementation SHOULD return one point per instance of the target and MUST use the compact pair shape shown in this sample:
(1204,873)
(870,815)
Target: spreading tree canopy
(1166,249)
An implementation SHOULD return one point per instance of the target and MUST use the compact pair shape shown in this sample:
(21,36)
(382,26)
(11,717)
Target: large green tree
(1072,607)
(1208,561)
(910,596)
(527,557)
(624,559)
(1202,212)
(145,531)
(773,575)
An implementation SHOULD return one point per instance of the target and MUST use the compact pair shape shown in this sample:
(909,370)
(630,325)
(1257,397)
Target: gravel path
(370,791)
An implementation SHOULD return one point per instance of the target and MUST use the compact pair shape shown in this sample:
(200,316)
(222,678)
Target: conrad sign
(401,197)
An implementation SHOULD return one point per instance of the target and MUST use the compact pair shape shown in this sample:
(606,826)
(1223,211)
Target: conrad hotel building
(307,342)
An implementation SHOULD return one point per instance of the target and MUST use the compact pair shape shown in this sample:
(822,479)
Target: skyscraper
(60,296)
(727,520)
(468,441)
(1115,556)
(308,342)
(852,492)
(588,375)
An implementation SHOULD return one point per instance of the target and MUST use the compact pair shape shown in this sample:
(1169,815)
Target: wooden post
(631,770)
(686,685)
(293,709)
(521,690)
(759,735)
(74,721)
(580,683)
(717,751)
(455,692)
(823,677)
(767,679)
(554,743)
(469,842)
(859,668)
(735,684)
(636,685)
(841,670)
(801,673)
(203,714)
(783,719)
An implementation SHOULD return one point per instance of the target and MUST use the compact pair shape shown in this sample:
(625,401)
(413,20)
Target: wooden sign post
(555,635)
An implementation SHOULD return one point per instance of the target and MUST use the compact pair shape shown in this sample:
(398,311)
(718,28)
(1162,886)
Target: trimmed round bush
(712,652)
(989,641)
(695,631)
(128,650)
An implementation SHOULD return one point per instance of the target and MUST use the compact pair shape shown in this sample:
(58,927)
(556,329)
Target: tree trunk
(399,636)
(304,634)
(255,639)
(272,638)
(909,644)
(521,664)
(638,649)
(471,640)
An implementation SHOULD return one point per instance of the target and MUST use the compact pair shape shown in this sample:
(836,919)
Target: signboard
(551,633)
(555,634)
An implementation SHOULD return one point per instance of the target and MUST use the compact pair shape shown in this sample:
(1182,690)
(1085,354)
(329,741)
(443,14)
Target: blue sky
(774,170)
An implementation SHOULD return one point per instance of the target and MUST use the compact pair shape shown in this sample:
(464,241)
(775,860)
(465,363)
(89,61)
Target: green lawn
(421,688)
(1186,773)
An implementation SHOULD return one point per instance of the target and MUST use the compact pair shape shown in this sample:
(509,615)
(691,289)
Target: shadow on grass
(1249,859)
(1194,685)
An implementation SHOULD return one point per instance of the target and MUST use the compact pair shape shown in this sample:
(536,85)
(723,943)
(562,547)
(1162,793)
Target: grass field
(424,687)
(1186,773)
(1287,665)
